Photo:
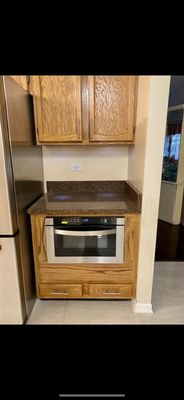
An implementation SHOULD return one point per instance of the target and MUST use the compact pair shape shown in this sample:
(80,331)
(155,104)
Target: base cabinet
(85,290)
(90,281)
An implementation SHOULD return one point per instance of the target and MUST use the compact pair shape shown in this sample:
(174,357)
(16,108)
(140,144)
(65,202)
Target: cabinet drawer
(110,290)
(59,291)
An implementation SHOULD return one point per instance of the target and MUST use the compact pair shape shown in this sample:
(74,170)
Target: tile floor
(167,301)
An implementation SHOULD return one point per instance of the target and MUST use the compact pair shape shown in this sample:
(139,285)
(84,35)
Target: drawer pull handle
(110,292)
(59,293)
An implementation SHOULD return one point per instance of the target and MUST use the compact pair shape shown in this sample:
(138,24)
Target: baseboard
(142,307)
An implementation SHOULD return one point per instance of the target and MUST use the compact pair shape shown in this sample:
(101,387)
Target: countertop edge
(112,212)
(131,197)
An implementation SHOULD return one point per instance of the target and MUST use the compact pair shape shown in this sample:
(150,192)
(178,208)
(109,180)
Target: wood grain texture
(41,239)
(86,274)
(85,289)
(22,80)
(32,82)
(112,108)
(58,291)
(84,110)
(54,273)
(39,242)
(132,228)
(83,143)
(110,290)
(85,139)
(35,242)
(58,108)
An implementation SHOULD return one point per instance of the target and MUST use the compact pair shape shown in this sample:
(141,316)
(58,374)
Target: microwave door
(84,246)
(90,245)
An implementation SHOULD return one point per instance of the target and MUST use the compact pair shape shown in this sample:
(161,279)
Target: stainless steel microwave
(85,240)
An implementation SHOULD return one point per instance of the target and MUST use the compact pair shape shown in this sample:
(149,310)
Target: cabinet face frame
(128,134)
(86,274)
(35,85)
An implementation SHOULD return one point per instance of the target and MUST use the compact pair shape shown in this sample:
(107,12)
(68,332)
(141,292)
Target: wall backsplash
(97,163)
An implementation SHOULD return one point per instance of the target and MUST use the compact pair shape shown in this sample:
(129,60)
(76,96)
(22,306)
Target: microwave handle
(84,233)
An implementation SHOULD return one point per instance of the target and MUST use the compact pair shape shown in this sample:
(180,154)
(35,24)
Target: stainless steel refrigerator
(21,183)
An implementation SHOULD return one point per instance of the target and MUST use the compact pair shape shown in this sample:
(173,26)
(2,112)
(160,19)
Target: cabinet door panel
(58,108)
(112,107)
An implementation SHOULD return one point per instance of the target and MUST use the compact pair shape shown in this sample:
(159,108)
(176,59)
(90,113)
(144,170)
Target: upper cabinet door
(22,80)
(58,107)
(111,108)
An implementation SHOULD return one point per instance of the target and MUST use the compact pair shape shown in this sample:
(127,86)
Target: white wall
(136,160)
(145,167)
(171,198)
(97,163)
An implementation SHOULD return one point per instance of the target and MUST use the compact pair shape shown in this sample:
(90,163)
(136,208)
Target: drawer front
(60,291)
(84,273)
(110,290)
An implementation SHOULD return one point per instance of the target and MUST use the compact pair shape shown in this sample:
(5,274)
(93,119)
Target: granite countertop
(111,197)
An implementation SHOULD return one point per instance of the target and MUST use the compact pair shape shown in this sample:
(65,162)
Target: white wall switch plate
(76,167)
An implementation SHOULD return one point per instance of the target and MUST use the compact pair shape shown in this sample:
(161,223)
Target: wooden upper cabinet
(58,108)
(22,80)
(84,109)
(111,108)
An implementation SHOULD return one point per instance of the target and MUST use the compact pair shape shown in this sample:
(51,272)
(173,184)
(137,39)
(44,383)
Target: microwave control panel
(84,221)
